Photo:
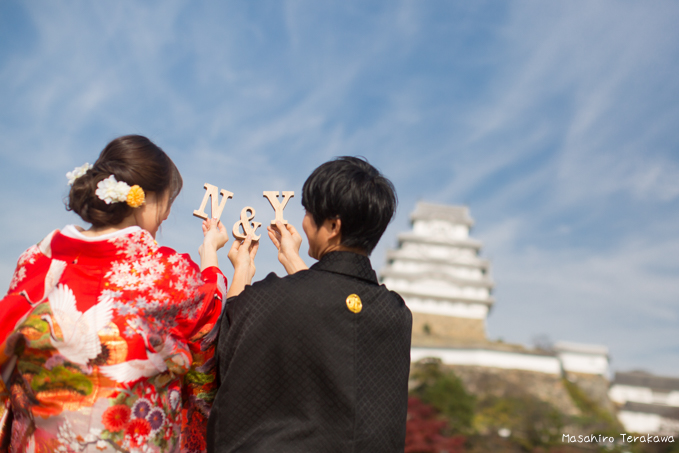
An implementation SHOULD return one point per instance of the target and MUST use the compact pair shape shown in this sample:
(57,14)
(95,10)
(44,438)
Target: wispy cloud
(554,121)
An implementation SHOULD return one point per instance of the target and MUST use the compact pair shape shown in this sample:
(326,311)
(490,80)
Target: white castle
(438,272)
(448,287)
(647,403)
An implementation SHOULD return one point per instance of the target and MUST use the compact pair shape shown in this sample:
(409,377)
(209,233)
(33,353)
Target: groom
(317,361)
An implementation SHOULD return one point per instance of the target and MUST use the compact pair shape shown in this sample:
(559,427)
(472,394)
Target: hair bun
(132,159)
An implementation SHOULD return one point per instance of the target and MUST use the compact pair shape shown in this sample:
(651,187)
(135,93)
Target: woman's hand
(215,235)
(242,256)
(214,238)
(287,240)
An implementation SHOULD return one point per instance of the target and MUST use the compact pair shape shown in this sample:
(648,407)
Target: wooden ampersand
(245,223)
(217,208)
(278,206)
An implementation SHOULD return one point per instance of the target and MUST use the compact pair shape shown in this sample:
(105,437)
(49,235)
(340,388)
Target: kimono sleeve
(27,287)
(199,325)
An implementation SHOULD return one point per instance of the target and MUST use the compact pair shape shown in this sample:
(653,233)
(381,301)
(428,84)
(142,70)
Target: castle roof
(644,379)
(671,412)
(471,262)
(567,346)
(484,282)
(489,300)
(466,243)
(454,214)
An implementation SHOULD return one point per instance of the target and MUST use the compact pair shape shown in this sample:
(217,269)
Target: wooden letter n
(217,208)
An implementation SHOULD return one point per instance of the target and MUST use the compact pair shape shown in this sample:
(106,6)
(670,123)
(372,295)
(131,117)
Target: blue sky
(555,122)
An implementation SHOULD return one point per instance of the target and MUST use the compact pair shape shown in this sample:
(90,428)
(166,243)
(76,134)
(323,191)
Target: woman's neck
(93,231)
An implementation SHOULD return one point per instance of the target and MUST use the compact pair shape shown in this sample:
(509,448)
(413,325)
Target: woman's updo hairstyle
(133,159)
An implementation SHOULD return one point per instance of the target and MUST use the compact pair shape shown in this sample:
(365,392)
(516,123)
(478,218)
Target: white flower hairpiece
(77,173)
(111,191)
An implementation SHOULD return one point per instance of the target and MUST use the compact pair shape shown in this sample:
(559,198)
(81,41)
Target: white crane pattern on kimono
(132,370)
(79,331)
(51,279)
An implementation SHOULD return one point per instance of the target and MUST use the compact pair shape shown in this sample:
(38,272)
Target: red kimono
(107,345)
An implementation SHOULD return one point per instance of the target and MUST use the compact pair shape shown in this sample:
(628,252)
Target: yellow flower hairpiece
(136,196)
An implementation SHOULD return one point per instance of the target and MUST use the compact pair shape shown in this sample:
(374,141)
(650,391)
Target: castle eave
(467,243)
(642,379)
(414,276)
(489,301)
(477,263)
(656,409)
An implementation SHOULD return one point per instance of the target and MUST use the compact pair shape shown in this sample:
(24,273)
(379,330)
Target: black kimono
(306,366)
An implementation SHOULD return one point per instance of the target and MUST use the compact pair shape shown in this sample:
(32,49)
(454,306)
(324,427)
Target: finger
(292,230)
(274,229)
(234,247)
(247,243)
(274,239)
(253,250)
(281,227)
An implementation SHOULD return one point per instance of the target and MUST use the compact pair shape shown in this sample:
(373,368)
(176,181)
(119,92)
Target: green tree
(594,418)
(530,422)
(443,390)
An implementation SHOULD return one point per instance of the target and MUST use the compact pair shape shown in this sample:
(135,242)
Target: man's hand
(242,256)
(214,238)
(287,240)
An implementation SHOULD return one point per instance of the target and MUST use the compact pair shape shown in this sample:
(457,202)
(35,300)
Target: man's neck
(341,248)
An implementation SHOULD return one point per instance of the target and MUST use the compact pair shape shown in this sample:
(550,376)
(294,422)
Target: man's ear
(334,227)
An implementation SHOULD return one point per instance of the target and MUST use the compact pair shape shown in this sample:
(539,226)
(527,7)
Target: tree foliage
(425,428)
(594,418)
(531,422)
(443,390)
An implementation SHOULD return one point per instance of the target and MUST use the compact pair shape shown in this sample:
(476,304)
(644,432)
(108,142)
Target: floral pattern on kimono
(114,342)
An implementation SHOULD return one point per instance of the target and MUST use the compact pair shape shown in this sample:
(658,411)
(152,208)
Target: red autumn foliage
(423,431)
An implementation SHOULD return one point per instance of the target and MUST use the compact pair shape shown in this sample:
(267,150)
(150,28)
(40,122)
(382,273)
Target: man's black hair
(351,189)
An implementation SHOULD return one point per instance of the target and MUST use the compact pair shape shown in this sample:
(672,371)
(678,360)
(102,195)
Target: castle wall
(623,393)
(584,363)
(482,357)
(595,386)
(506,383)
(640,422)
(647,403)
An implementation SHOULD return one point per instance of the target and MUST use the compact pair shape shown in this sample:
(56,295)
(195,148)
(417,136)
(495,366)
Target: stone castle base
(449,327)
(503,383)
